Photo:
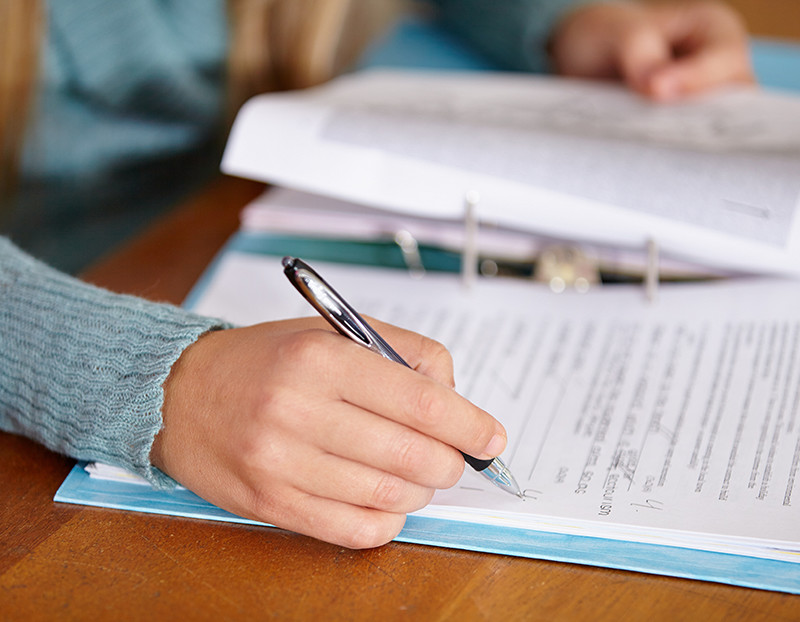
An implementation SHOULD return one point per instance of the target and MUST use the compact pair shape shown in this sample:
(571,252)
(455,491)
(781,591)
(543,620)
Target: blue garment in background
(128,118)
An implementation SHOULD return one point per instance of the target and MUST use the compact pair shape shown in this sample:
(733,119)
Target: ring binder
(651,275)
(409,247)
(562,266)
(469,251)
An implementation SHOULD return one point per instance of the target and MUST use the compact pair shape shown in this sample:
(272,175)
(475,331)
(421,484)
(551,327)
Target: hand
(292,424)
(664,51)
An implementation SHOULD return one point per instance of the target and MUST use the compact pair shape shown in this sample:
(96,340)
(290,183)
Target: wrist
(179,385)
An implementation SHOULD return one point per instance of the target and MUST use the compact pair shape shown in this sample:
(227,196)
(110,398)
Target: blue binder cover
(420,44)
(82,489)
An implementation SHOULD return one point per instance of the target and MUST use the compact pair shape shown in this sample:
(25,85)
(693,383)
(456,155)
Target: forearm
(514,33)
(82,369)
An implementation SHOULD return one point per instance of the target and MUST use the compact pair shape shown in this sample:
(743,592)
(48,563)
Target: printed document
(675,422)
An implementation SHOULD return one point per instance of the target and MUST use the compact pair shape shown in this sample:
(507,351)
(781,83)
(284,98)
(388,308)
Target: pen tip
(287,262)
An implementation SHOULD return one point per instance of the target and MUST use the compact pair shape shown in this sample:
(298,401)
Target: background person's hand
(292,424)
(664,51)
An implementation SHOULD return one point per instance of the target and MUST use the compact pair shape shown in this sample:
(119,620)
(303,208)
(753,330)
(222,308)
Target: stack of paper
(713,181)
(283,211)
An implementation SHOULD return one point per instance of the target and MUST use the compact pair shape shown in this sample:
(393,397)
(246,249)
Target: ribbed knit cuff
(82,369)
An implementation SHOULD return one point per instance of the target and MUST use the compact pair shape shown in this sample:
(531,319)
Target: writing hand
(294,425)
(664,51)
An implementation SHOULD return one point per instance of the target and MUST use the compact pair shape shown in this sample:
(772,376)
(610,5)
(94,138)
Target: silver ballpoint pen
(349,323)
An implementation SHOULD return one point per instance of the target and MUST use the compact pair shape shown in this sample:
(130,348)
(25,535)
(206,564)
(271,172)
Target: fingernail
(496,446)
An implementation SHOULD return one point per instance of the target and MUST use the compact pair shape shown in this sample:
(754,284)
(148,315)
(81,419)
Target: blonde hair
(21,27)
(275,45)
(287,44)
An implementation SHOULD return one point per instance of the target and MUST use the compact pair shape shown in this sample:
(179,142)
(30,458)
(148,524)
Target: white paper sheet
(673,423)
(714,180)
(292,212)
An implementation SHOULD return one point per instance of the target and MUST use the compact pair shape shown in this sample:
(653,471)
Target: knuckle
(432,349)
(438,360)
(307,349)
(273,398)
(281,412)
(252,449)
(454,470)
(421,499)
(630,37)
(265,505)
(387,493)
(407,454)
(427,407)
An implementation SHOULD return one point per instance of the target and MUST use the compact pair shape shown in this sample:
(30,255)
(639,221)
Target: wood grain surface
(62,562)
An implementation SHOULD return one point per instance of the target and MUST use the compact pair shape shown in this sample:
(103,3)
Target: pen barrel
(475,463)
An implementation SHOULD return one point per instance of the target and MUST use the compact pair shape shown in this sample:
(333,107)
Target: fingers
(332,477)
(664,51)
(352,433)
(710,49)
(618,40)
(641,50)
(339,523)
(382,387)
(697,73)
(266,497)
(419,402)
(332,495)
(426,404)
(424,355)
(336,369)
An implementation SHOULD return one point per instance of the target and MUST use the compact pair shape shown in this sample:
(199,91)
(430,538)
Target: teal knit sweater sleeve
(81,368)
(513,33)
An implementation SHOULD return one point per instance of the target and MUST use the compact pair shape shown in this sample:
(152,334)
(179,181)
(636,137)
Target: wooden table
(70,562)
(770,18)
